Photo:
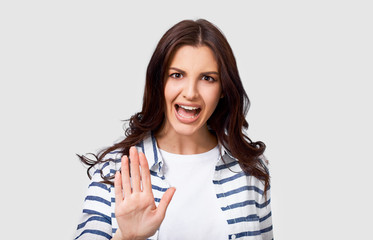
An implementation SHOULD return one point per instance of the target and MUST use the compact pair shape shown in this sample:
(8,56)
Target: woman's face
(192,90)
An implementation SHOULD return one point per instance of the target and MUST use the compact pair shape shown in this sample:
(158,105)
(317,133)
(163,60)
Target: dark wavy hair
(227,121)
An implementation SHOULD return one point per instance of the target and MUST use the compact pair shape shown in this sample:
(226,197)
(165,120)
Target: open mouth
(188,112)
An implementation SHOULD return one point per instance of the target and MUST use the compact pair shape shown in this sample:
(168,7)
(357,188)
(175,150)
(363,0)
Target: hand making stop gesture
(135,209)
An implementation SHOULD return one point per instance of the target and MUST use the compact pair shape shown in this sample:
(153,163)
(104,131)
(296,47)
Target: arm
(265,217)
(95,220)
(135,209)
(264,208)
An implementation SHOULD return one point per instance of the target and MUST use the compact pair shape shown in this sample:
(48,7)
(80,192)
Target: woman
(187,170)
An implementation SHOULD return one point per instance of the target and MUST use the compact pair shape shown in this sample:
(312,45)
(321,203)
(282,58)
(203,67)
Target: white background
(70,71)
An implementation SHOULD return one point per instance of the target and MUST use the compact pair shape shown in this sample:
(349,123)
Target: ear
(222,95)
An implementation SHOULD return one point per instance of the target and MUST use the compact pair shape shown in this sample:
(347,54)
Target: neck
(173,142)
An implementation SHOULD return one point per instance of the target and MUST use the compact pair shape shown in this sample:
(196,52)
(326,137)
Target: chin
(187,130)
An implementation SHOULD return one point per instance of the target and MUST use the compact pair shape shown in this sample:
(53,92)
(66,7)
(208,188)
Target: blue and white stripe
(240,196)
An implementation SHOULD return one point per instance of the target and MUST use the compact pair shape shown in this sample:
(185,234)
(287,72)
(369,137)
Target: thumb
(165,201)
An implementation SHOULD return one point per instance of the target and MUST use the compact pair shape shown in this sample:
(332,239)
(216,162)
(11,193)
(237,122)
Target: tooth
(188,108)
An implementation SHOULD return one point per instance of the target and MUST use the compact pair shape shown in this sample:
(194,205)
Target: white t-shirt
(193,212)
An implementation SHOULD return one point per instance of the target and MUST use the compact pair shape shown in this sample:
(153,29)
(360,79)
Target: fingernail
(132,149)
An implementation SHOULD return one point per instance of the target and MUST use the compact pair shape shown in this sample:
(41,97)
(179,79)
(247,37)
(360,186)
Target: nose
(190,91)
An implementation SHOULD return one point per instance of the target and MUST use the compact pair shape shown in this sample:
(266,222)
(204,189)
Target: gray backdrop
(70,71)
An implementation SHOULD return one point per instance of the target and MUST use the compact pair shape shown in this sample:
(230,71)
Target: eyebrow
(203,73)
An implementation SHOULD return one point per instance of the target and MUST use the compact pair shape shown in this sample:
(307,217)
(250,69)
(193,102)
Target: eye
(176,75)
(208,78)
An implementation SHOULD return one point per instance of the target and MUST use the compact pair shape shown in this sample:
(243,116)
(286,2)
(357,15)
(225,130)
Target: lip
(188,104)
(184,119)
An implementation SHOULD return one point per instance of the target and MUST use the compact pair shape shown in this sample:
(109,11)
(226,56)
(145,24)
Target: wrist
(119,236)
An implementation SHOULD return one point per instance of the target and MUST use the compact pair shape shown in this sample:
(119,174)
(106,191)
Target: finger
(118,188)
(145,173)
(135,171)
(126,182)
(165,201)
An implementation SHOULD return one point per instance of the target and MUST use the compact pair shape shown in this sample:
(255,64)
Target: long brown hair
(228,120)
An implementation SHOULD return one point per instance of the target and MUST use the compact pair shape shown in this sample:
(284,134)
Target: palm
(136,212)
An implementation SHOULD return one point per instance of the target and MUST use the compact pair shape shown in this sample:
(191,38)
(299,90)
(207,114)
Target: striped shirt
(240,196)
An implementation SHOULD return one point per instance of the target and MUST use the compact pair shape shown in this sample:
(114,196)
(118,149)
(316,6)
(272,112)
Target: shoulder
(264,163)
(107,167)
(230,169)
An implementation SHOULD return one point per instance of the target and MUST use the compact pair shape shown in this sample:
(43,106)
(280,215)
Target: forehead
(190,58)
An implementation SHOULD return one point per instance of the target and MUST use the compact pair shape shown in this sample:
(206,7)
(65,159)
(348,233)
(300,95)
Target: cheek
(170,92)
(167,91)
(212,99)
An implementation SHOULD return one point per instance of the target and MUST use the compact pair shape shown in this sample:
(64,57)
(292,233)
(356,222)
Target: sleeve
(95,223)
(265,212)
(265,217)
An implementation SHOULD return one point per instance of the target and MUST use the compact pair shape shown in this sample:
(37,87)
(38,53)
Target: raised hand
(135,209)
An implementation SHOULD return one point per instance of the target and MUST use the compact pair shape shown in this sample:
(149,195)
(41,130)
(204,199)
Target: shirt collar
(150,148)
(225,152)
